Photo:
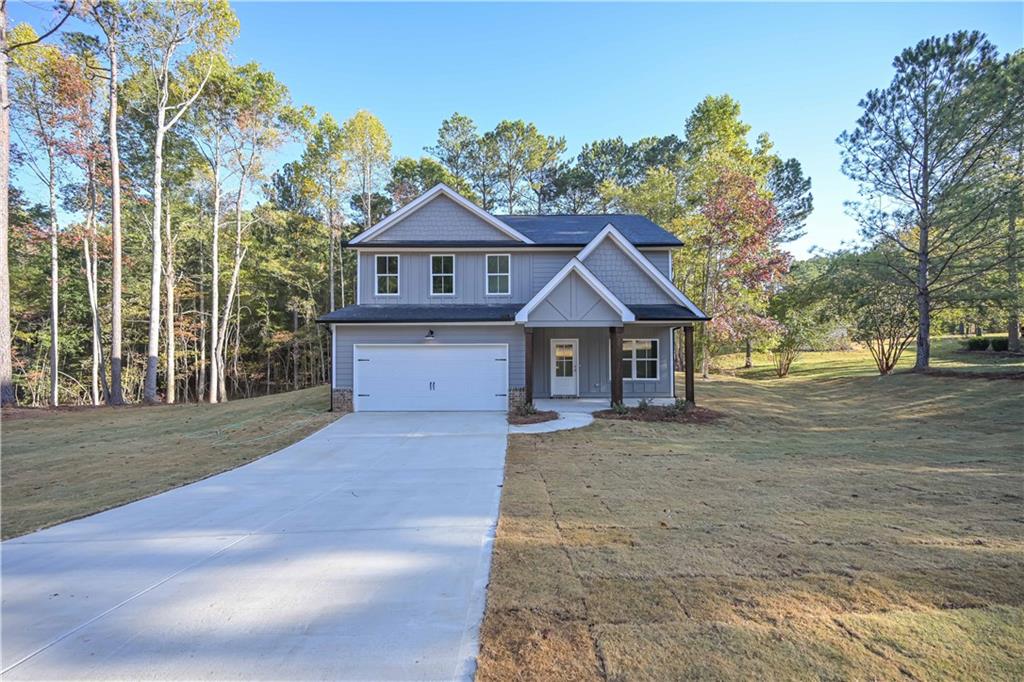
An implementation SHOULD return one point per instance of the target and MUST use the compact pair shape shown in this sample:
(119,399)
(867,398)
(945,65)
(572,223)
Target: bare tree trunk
(1013,274)
(295,347)
(330,260)
(7,393)
(748,360)
(341,267)
(115,396)
(153,347)
(924,302)
(238,338)
(221,349)
(169,308)
(201,368)
(90,245)
(215,279)
(54,279)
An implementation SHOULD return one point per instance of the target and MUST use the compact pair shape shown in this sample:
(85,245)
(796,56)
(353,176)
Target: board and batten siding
(346,336)
(594,367)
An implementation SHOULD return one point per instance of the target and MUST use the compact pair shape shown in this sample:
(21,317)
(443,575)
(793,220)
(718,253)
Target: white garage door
(395,377)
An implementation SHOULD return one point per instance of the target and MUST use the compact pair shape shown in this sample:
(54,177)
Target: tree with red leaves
(736,239)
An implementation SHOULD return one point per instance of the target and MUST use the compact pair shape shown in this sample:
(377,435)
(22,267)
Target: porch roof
(405,314)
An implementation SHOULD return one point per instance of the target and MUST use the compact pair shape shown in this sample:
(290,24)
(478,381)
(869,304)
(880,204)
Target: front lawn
(833,525)
(70,462)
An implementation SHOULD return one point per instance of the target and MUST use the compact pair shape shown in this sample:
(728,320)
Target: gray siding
(594,366)
(441,219)
(660,258)
(626,279)
(346,336)
(530,272)
(574,301)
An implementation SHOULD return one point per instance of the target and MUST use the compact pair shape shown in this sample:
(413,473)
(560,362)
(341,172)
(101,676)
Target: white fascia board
(425,198)
(577,266)
(611,232)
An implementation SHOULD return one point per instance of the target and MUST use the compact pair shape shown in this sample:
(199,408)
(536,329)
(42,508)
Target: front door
(565,367)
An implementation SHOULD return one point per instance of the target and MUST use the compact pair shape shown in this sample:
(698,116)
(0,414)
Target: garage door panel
(441,377)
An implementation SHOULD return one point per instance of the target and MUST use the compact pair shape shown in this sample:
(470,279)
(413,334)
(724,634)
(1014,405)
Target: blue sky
(590,71)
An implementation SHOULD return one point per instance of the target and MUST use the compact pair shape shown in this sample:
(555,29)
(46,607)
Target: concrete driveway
(361,552)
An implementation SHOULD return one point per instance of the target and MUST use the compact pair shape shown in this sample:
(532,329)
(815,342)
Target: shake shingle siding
(624,277)
(441,219)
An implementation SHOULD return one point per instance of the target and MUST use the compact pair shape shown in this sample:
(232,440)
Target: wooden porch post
(688,352)
(616,338)
(529,365)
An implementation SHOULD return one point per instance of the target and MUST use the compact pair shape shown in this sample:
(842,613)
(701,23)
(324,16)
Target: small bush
(1001,344)
(643,405)
(681,405)
(620,408)
(525,410)
(978,343)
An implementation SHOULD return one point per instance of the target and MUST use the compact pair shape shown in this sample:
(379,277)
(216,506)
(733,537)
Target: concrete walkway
(574,413)
(361,552)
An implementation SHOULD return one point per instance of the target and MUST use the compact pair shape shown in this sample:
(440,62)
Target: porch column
(529,364)
(688,359)
(616,338)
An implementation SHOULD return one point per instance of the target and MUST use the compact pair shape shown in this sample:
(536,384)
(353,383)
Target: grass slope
(833,525)
(63,464)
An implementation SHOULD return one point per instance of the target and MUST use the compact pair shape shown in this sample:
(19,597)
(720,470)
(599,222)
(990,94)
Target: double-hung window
(499,278)
(442,275)
(386,275)
(640,359)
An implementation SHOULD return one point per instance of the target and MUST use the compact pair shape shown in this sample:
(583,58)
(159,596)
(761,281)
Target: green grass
(947,355)
(833,525)
(67,463)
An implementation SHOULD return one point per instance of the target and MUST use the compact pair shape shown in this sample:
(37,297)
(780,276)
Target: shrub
(1001,344)
(681,405)
(643,405)
(620,408)
(978,343)
(525,410)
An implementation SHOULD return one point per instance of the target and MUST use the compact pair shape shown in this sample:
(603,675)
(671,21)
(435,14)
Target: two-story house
(459,309)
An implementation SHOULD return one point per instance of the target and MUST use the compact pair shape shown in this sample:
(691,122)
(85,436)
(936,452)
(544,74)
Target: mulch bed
(535,418)
(660,413)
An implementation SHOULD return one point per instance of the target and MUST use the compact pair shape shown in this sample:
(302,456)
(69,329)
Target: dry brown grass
(66,463)
(825,528)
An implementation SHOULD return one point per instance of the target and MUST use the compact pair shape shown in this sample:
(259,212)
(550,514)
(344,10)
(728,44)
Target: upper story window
(442,275)
(499,278)
(640,359)
(386,275)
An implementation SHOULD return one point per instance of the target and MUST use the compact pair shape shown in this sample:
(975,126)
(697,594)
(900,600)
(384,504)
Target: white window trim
(657,362)
(430,284)
(488,273)
(377,275)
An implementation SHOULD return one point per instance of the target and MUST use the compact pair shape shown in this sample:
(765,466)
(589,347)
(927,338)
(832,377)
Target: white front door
(565,367)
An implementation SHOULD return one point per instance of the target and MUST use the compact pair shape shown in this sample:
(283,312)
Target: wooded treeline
(169,260)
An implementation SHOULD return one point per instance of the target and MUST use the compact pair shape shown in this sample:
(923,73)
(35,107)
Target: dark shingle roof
(580,229)
(401,313)
(422,313)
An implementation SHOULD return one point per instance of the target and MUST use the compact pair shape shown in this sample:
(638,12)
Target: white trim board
(577,266)
(425,198)
(624,244)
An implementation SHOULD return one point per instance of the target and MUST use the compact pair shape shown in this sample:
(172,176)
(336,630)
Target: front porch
(600,366)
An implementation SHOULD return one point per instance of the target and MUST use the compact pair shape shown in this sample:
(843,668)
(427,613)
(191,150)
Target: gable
(574,300)
(441,219)
(627,280)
